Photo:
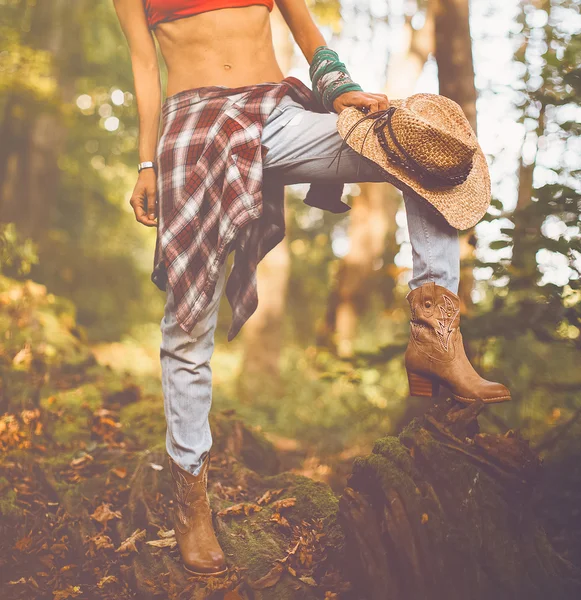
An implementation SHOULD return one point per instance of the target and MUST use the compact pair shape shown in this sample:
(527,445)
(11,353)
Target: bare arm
(300,21)
(308,37)
(146,77)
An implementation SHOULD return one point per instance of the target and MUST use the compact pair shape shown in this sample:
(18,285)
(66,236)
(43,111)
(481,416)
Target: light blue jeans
(301,145)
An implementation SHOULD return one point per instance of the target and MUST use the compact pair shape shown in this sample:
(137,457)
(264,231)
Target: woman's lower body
(301,146)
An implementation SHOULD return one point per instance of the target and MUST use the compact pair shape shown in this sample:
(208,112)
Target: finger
(373,106)
(151,205)
(140,214)
(383,101)
(143,218)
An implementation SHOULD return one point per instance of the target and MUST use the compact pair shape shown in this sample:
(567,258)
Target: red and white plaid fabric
(210,186)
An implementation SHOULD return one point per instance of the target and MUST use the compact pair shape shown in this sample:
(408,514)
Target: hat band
(427,177)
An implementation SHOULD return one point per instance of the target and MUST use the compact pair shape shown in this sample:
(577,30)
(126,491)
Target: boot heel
(422,386)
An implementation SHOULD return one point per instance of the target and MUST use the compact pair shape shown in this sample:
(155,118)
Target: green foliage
(16,254)
(546,224)
(74,88)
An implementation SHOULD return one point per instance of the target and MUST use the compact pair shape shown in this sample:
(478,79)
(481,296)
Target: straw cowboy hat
(424,143)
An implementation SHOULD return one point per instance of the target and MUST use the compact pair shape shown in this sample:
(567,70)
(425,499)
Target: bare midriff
(229,47)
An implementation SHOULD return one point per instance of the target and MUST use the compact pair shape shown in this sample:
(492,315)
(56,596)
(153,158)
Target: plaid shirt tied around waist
(210,195)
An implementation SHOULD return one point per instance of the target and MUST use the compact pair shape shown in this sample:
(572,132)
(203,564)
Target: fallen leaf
(278,518)
(269,495)
(103,514)
(101,542)
(23,544)
(268,580)
(121,472)
(284,503)
(58,549)
(166,534)
(165,543)
(308,580)
(81,461)
(129,545)
(69,592)
(244,508)
(156,467)
(290,553)
(107,580)
(424,518)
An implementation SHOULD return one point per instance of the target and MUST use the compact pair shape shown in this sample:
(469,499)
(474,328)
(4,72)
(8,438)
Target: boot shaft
(435,320)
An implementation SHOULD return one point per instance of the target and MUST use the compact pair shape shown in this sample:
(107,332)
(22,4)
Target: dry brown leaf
(121,472)
(81,461)
(129,545)
(166,534)
(244,508)
(268,580)
(164,543)
(103,514)
(289,553)
(72,591)
(284,503)
(107,580)
(278,518)
(308,580)
(269,495)
(23,544)
(101,542)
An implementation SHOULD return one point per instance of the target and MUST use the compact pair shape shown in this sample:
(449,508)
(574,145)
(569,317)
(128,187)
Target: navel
(227,67)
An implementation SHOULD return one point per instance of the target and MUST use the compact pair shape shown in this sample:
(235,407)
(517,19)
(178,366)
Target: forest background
(319,367)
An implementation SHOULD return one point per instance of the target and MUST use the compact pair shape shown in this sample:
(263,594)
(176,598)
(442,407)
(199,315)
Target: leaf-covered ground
(85,496)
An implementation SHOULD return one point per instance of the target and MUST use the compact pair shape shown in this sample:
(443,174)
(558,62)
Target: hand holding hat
(425,144)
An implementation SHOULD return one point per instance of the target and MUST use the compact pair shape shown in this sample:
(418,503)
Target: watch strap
(148,164)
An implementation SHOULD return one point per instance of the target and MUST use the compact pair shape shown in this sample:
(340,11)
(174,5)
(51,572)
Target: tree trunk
(262,333)
(372,227)
(456,80)
(445,512)
(30,176)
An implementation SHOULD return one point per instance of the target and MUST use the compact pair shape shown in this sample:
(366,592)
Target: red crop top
(158,11)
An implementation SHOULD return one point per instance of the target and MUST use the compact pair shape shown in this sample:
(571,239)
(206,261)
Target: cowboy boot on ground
(200,550)
(435,354)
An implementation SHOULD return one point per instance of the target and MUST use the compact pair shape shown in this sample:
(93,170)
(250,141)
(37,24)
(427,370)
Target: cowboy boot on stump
(435,354)
(200,550)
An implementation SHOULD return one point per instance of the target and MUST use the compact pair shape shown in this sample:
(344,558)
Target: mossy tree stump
(443,511)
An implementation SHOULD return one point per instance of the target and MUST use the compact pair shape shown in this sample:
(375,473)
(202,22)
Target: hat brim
(462,205)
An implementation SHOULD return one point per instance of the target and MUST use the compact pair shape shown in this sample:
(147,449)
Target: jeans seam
(429,248)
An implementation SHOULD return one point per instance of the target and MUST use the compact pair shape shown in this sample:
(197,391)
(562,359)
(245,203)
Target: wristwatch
(145,165)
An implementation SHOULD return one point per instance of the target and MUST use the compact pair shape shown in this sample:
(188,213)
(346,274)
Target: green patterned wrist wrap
(329,77)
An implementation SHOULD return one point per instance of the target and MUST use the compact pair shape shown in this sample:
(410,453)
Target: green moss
(71,411)
(390,447)
(315,499)
(253,543)
(8,507)
(144,422)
